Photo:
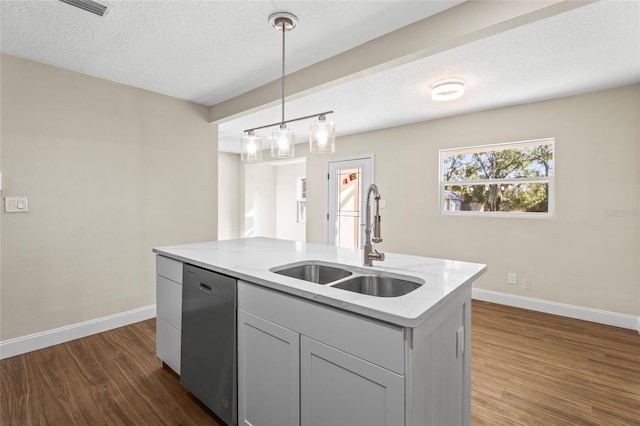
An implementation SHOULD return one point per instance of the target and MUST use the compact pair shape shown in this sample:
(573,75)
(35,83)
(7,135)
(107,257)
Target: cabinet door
(168,344)
(169,301)
(341,389)
(268,373)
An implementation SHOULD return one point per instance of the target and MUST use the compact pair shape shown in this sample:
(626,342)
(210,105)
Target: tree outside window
(515,179)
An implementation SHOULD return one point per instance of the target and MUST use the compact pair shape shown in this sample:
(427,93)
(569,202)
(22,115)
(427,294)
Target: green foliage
(524,162)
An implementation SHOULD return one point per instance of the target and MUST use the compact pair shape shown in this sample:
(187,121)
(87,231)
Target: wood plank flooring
(528,368)
(111,378)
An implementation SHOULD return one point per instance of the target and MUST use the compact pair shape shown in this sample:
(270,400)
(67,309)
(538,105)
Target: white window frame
(550,180)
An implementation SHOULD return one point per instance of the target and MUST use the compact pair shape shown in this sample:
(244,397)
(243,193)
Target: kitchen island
(309,353)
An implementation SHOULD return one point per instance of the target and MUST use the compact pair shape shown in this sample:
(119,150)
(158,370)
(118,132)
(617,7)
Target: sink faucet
(370,254)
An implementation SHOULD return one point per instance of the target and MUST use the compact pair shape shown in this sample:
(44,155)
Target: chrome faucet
(370,254)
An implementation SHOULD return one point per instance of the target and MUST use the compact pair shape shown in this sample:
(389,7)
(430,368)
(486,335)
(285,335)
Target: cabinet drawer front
(168,344)
(169,268)
(375,341)
(169,301)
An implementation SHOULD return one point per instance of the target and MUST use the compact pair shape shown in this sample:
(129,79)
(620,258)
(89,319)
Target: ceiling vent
(88,5)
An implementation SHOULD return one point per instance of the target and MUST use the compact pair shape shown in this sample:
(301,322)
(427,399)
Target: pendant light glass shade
(322,136)
(282,142)
(251,148)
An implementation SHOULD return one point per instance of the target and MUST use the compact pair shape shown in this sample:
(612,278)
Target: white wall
(230,182)
(287,226)
(111,172)
(584,256)
(269,199)
(260,200)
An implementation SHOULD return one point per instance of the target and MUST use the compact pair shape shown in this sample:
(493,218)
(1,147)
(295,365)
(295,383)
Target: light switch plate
(16,204)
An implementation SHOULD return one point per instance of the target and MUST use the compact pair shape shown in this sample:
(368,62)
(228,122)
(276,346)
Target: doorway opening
(348,181)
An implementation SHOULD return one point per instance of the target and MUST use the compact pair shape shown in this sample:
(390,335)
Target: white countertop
(250,259)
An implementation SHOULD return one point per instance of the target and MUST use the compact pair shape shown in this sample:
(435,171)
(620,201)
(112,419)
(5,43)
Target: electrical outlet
(511,278)
(526,284)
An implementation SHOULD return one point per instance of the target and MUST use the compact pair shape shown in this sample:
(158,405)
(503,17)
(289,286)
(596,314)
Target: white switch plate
(16,205)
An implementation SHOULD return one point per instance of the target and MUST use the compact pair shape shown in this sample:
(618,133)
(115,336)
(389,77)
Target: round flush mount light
(447,90)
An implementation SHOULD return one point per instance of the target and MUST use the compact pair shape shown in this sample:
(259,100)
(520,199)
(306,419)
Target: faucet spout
(370,254)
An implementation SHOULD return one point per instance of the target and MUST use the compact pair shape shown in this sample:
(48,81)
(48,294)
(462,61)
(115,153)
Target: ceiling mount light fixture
(322,132)
(447,90)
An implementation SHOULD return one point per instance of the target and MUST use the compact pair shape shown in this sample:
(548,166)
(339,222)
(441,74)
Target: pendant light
(283,139)
(322,136)
(321,132)
(251,148)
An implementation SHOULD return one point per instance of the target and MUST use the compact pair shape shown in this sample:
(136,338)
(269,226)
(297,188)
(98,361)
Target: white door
(340,389)
(348,181)
(268,373)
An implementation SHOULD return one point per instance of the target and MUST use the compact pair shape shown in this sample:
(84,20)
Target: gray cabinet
(168,311)
(302,362)
(352,370)
(288,376)
(340,389)
(268,373)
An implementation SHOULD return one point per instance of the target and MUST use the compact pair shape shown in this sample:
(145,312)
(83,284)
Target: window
(512,179)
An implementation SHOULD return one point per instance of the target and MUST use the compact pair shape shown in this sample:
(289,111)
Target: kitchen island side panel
(439,387)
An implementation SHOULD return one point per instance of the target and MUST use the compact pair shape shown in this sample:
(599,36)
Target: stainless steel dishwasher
(208,357)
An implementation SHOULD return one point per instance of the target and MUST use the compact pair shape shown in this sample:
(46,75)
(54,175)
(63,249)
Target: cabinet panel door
(168,344)
(169,301)
(268,373)
(340,389)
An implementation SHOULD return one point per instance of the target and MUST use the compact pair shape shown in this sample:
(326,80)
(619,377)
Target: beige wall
(230,183)
(110,171)
(585,256)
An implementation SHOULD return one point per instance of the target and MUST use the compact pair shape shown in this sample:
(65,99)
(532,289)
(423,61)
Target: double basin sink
(353,279)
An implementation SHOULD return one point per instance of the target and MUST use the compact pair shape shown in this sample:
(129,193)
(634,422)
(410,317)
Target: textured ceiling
(205,51)
(586,49)
(210,51)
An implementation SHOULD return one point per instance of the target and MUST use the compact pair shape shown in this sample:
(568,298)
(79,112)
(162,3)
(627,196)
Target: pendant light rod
(282,25)
(289,121)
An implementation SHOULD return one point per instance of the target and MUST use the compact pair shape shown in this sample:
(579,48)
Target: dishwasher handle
(205,288)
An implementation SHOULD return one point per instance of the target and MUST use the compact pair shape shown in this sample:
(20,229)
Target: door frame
(370,157)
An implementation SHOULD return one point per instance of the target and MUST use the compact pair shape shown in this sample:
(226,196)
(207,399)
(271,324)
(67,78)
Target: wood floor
(112,378)
(528,368)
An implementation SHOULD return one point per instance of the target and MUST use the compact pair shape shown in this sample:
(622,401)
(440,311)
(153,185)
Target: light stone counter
(250,259)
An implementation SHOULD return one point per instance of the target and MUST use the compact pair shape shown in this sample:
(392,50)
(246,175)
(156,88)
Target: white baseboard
(571,311)
(32,342)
